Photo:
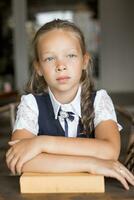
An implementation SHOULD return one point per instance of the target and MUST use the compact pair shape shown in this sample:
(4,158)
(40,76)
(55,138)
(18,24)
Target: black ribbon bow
(64,116)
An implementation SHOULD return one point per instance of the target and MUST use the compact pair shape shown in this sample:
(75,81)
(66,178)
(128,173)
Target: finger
(126,173)
(8,152)
(13,142)
(9,158)
(22,160)
(128,176)
(12,164)
(123,181)
(119,176)
(19,166)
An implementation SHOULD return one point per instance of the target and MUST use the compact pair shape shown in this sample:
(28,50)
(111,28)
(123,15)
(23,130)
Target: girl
(61,102)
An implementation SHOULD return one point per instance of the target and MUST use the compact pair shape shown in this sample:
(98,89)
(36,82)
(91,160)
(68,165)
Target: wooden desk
(8,97)
(9,189)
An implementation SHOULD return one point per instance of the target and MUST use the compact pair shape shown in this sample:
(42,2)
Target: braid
(87,110)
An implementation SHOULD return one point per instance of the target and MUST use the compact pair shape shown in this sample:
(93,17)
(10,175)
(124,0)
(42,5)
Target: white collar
(73,106)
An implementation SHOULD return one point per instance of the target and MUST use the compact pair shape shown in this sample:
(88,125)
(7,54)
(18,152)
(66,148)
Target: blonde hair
(37,84)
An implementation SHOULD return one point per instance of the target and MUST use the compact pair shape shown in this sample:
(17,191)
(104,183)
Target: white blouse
(27,114)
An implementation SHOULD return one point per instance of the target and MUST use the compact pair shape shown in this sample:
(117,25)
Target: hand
(20,152)
(114,169)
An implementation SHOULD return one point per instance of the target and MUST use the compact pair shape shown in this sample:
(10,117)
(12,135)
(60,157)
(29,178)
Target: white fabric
(27,114)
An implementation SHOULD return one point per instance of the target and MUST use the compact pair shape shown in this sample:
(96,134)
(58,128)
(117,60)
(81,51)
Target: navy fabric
(48,125)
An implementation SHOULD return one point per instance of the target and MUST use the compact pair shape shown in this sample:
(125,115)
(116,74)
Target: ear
(37,68)
(86,59)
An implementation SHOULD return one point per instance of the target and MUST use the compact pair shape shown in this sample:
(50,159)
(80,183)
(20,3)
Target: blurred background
(108,26)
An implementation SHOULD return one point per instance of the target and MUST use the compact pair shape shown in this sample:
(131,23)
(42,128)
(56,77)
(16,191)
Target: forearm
(58,163)
(61,163)
(78,146)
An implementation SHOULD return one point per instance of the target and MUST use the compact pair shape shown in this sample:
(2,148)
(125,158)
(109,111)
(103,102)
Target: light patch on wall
(42,18)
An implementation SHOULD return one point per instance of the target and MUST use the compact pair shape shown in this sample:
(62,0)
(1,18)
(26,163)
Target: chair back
(11,109)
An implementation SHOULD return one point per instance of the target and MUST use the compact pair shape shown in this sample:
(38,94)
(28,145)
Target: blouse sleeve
(104,108)
(27,114)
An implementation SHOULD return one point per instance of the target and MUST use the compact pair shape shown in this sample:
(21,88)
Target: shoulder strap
(48,125)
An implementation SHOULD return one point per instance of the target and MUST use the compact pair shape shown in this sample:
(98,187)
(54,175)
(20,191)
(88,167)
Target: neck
(65,97)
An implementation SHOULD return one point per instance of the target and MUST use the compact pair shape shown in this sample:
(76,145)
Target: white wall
(21,62)
(117,45)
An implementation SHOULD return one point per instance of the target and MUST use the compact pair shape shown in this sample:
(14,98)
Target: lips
(63,78)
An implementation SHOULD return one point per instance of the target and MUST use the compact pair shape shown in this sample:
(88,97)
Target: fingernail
(127,188)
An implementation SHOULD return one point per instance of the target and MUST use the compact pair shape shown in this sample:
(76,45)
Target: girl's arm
(61,163)
(106,145)
(43,162)
(25,145)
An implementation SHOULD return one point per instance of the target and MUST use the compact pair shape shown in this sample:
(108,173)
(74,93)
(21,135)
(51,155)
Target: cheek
(48,74)
(77,67)
(77,73)
(46,70)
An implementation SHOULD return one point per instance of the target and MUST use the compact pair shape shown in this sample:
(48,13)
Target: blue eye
(71,55)
(48,59)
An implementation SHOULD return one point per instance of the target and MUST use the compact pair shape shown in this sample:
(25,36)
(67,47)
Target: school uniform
(39,114)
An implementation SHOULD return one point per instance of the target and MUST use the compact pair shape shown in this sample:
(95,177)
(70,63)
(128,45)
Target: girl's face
(61,61)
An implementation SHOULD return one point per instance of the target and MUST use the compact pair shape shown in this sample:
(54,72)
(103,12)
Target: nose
(60,66)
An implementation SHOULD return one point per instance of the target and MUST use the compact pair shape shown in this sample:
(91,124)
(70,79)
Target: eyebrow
(47,52)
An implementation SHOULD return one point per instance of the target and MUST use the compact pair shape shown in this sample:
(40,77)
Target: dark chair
(129,156)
